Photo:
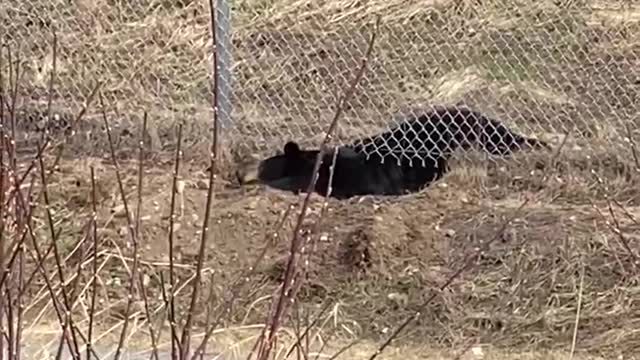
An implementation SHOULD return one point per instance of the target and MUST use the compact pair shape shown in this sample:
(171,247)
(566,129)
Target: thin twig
(94,227)
(271,331)
(14,100)
(470,259)
(143,131)
(165,299)
(297,334)
(172,284)
(75,280)
(345,348)
(43,147)
(626,212)
(11,322)
(14,255)
(307,329)
(4,268)
(552,161)
(466,264)
(615,227)
(44,258)
(623,239)
(14,318)
(578,307)
(210,301)
(297,283)
(131,228)
(20,301)
(56,253)
(465,349)
(242,278)
(73,126)
(54,62)
(20,246)
(145,298)
(186,333)
(634,151)
(62,320)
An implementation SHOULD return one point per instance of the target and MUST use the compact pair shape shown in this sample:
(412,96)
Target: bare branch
(634,151)
(296,242)
(470,259)
(186,333)
(94,275)
(145,298)
(242,278)
(172,283)
(56,252)
(132,232)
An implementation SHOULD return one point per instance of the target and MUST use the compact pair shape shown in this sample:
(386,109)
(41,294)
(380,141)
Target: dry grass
(234,343)
(528,63)
(377,259)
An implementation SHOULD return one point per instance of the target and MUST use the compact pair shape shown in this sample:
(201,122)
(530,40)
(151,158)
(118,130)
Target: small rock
(145,280)
(201,184)
(118,211)
(252,205)
(477,352)
(180,186)
(401,299)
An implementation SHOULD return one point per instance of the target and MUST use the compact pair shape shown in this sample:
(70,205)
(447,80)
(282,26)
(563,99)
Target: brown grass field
(563,274)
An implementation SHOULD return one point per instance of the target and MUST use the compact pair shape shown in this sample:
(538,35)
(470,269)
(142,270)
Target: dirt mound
(379,259)
(382,260)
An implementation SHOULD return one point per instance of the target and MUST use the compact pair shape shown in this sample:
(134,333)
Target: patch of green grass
(512,69)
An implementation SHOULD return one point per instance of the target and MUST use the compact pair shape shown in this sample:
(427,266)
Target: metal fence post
(223,50)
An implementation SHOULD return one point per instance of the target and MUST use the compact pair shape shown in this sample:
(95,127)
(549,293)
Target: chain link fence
(148,56)
(541,67)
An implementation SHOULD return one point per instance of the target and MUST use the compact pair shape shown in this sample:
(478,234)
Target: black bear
(387,163)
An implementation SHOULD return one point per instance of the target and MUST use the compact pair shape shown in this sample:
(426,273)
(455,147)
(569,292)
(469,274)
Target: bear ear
(291,149)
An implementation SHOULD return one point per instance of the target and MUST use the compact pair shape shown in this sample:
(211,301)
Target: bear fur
(386,164)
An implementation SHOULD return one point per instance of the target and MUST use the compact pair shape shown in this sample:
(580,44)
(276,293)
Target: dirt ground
(566,265)
(377,259)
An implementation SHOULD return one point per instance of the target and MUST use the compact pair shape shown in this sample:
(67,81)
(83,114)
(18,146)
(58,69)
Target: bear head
(288,171)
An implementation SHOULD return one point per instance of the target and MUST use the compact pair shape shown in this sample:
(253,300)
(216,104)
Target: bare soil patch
(378,259)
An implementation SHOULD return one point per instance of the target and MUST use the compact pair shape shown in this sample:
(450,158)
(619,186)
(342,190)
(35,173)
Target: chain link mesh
(541,67)
(152,56)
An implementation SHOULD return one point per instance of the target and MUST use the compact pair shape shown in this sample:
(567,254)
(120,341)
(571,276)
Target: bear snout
(247,174)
